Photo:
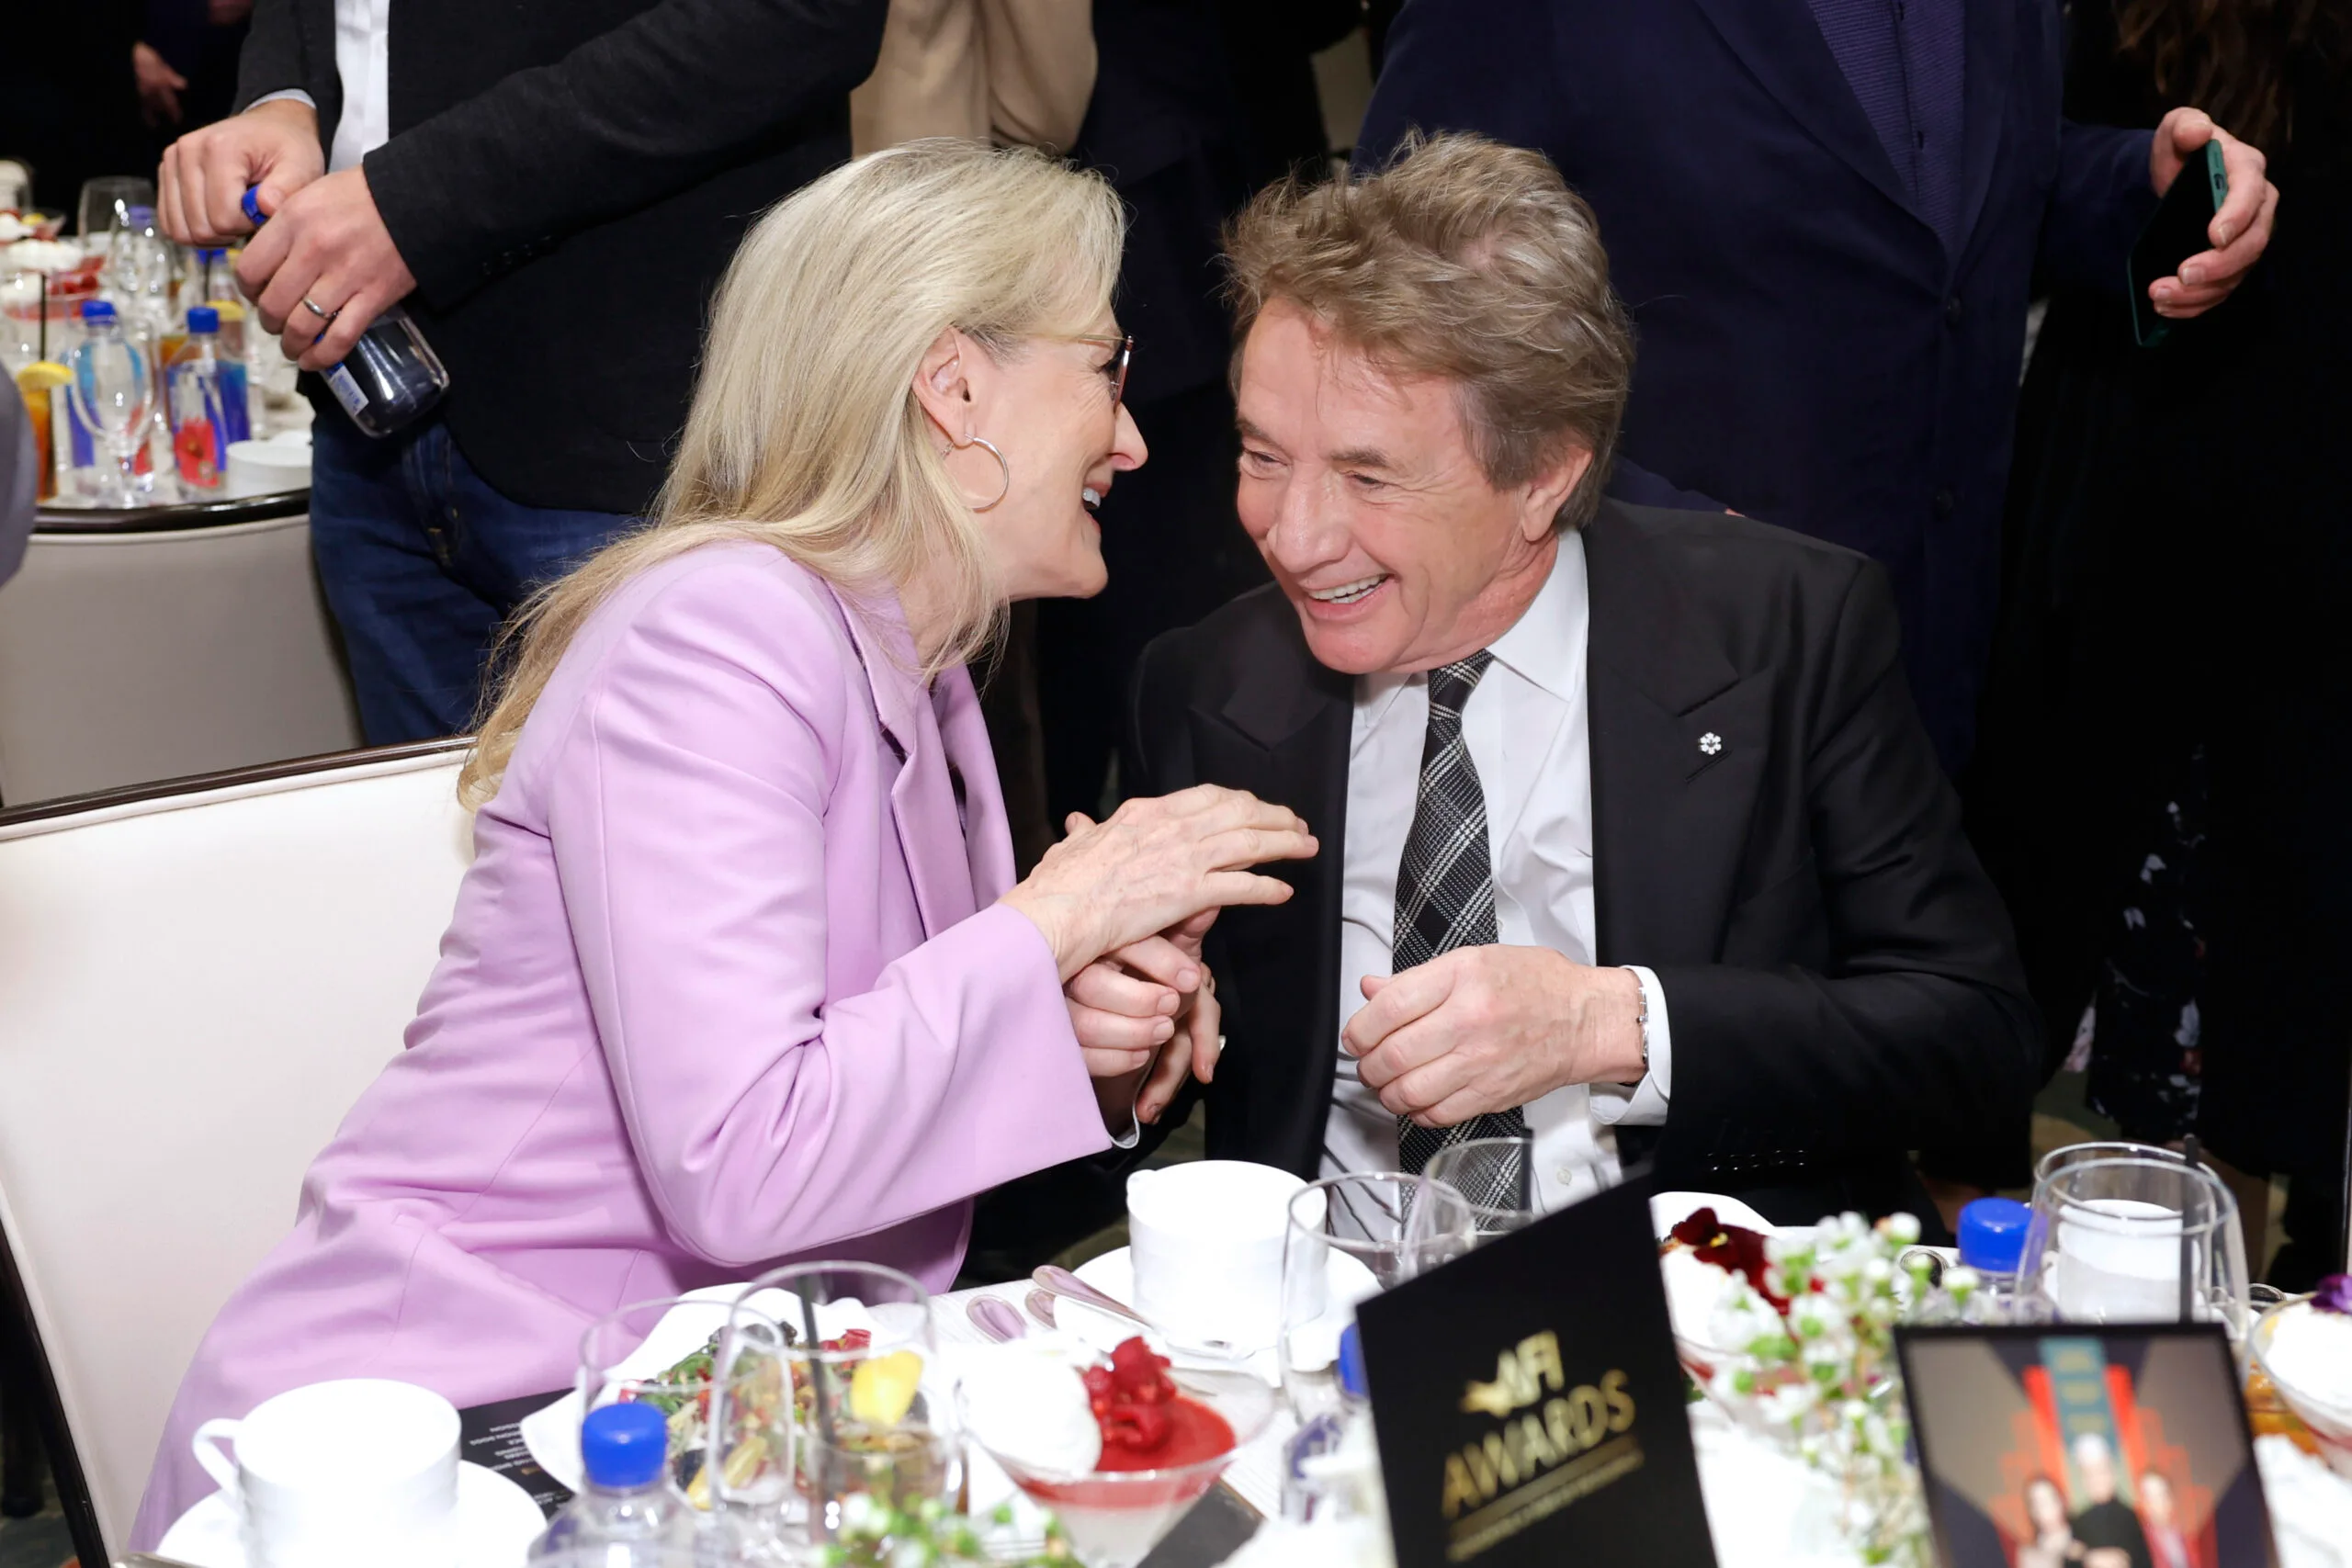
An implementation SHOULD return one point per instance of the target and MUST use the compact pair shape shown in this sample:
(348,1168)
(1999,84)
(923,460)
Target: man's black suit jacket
(1840,977)
(568,179)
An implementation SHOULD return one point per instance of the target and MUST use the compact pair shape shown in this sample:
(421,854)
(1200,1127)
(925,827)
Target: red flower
(1734,1247)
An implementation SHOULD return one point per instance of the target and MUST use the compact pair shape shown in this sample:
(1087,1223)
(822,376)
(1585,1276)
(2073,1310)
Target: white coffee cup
(359,1472)
(1206,1241)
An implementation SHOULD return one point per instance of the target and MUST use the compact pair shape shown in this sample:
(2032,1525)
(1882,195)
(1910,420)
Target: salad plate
(551,1433)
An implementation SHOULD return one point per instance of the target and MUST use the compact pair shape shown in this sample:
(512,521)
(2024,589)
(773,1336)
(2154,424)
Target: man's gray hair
(1468,260)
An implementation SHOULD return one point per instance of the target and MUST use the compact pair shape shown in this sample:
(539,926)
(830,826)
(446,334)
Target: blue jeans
(423,563)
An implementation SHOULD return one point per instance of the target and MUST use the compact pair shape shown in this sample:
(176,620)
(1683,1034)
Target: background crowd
(1832,223)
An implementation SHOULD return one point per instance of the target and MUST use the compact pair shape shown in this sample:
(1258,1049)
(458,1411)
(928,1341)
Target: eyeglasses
(1115,370)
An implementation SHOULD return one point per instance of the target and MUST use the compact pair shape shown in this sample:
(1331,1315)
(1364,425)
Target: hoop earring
(1002,466)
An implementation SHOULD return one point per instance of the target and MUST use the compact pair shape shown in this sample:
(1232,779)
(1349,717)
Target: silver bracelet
(1644,1019)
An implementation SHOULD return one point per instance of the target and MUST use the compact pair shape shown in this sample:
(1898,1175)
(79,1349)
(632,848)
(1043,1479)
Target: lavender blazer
(724,986)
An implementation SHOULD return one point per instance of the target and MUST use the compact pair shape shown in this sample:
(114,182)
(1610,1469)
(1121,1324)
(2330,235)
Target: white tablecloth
(1766,1509)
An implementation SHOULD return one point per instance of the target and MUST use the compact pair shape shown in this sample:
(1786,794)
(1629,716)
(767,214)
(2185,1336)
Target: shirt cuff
(295,94)
(1642,1104)
(1134,1134)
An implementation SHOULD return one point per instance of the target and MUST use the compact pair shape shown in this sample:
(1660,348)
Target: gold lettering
(1541,1353)
(1481,1472)
(1621,1403)
(1498,1455)
(1540,1451)
(1556,1418)
(1459,1491)
(1588,1416)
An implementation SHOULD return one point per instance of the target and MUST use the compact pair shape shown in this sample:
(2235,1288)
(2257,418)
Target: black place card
(1212,1530)
(2056,1445)
(492,1436)
(1529,1405)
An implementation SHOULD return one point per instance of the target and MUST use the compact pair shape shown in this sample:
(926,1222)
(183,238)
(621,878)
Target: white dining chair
(195,983)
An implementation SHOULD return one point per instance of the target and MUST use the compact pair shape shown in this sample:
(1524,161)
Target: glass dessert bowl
(2304,1346)
(1154,1440)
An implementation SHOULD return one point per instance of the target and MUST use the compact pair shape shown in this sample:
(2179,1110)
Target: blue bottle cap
(1352,1378)
(250,201)
(1992,1234)
(203,319)
(97,311)
(623,1446)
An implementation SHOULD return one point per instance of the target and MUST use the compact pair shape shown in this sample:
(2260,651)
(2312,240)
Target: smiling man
(1634,842)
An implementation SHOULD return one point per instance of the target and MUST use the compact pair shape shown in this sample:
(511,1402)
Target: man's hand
(1483,1028)
(2239,230)
(201,186)
(328,245)
(159,86)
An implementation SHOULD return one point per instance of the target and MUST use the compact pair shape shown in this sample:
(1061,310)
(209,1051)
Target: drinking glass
(113,391)
(666,1353)
(874,1411)
(2079,1154)
(106,202)
(1497,1177)
(1351,1237)
(2136,1238)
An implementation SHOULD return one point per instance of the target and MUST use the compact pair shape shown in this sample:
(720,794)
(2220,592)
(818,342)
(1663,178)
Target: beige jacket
(1011,70)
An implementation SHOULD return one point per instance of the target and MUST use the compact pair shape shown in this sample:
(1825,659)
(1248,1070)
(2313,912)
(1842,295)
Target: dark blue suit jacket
(1810,353)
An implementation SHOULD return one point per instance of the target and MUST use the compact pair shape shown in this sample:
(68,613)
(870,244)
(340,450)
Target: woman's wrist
(1053,916)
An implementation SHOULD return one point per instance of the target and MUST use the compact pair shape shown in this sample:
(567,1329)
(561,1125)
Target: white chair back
(194,988)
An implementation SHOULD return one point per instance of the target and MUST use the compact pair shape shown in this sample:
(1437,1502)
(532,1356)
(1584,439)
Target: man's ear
(941,387)
(1550,489)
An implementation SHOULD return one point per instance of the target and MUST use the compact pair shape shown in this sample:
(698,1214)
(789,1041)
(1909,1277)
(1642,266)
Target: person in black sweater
(551,188)
(2159,789)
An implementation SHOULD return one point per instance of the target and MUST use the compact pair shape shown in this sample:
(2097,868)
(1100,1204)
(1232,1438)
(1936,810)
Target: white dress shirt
(1525,726)
(362,55)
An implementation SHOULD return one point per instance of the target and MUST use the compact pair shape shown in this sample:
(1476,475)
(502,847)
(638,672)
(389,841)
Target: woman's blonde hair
(805,431)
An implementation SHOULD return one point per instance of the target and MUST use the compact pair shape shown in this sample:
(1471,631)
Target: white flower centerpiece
(1799,1342)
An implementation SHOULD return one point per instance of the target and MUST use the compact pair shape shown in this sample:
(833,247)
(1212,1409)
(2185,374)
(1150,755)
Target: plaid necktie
(1446,884)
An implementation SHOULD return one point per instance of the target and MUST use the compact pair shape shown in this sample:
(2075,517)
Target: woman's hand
(1153,865)
(1147,1016)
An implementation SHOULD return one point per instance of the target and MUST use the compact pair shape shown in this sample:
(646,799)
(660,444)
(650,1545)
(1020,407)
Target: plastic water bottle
(1331,1466)
(625,1515)
(391,375)
(205,397)
(1992,1242)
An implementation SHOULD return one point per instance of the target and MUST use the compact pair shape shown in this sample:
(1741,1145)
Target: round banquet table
(1765,1508)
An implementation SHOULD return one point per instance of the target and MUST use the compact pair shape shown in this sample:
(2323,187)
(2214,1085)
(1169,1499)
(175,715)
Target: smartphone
(2177,232)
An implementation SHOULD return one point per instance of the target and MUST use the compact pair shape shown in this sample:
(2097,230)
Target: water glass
(1349,1238)
(2143,1237)
(681,1375)
(1497,1177)
(113,393)
(106,202)
(874,1411)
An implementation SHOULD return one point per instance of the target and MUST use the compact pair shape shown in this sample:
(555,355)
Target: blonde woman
(741,972)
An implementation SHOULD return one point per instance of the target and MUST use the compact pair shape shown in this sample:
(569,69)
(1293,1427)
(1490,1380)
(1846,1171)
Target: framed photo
(2060,1446)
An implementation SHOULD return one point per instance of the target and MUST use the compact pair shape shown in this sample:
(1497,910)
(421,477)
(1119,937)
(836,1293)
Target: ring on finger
(320,311)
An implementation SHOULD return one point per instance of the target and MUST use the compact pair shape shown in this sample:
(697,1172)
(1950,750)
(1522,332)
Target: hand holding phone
(2177,231)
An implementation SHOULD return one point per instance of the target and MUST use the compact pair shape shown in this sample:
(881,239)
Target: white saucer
(497,1521)
(1346,1282)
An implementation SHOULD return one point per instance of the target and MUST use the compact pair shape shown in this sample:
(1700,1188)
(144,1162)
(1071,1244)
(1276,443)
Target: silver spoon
(1061,1282)
(996,1318)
